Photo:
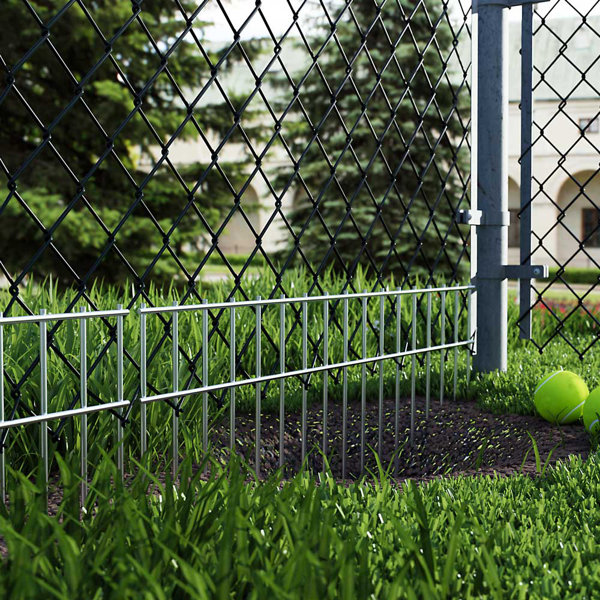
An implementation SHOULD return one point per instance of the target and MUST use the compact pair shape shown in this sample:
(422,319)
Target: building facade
(566,186)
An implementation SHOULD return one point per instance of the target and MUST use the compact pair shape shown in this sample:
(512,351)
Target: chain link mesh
(134,136)
(565,201)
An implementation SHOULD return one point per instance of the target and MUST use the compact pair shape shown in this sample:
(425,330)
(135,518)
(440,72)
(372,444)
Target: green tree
(384,122)
(78,157)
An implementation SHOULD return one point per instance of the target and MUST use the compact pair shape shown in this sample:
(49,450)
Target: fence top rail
(44,317)
(297,300)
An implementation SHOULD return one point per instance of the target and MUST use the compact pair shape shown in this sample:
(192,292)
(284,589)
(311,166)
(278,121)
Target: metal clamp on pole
(526,271)
(477,218)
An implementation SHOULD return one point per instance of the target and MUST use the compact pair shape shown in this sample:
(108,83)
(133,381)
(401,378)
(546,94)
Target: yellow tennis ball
(560,396)
(591,412)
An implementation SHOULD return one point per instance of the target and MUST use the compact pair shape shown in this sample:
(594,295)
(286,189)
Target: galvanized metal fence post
(492,184)
(490,173)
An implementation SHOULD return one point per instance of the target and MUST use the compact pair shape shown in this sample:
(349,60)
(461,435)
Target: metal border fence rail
(404,349)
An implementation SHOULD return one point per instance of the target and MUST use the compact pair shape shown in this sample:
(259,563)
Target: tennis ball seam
(539,387)
(571,412)
(592,425)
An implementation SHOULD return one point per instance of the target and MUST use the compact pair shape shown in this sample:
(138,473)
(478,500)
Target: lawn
(311,536)
(517,537)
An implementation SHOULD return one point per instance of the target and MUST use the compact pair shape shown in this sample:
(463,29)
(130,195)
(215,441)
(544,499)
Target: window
(514,228)
(589,125)
(591,227)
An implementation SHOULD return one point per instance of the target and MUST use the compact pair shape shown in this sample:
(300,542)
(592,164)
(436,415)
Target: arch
(578,202)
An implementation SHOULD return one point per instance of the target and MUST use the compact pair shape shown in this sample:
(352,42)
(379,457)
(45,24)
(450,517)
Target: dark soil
(457,438)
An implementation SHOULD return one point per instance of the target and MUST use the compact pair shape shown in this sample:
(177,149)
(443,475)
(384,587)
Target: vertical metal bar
(491,185)
(84,401)
(232,375)
(304,377)
(120,449)
(143,382)
(281,382)
(205,353)
(345,386)
(469,348)
(413,366)
(175,373)
(442,343)
(44,395)
(456,320)
(4,433)
(526,166)
(325,376)
(363,384)
(258,387)
(397,386)
(381,353)
(428,359)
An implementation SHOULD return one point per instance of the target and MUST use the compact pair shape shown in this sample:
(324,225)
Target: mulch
(457,438)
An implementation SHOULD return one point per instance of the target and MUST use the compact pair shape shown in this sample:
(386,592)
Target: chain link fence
(565,197)
(179,142)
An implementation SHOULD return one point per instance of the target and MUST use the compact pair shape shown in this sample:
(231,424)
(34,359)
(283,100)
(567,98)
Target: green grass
(452,538)
(499,392)
(230,537)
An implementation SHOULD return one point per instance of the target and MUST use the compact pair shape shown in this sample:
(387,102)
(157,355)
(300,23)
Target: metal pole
(3,448)
(143,381)
(120,450)
(175,382)
(44,396)
(84,401)
(258,387)
(526,167)
(492,185)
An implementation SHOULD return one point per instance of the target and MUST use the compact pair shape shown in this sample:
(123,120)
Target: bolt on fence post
(490,190)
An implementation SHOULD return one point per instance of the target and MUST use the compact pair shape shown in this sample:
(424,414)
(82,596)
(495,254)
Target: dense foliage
(92,113)
(379,135)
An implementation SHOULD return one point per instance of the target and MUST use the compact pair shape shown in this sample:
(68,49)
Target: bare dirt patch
(457,438)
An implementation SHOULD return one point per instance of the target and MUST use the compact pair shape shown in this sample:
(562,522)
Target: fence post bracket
(479,218)
(503,3)
(526,271)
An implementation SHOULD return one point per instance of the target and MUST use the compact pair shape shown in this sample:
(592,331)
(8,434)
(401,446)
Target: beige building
(566,154)
(567,143)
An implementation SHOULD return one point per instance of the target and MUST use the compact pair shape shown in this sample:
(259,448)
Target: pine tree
(386,170)
(69,210)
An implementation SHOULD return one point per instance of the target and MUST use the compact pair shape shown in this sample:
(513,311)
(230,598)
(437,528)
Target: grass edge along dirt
(306,538)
